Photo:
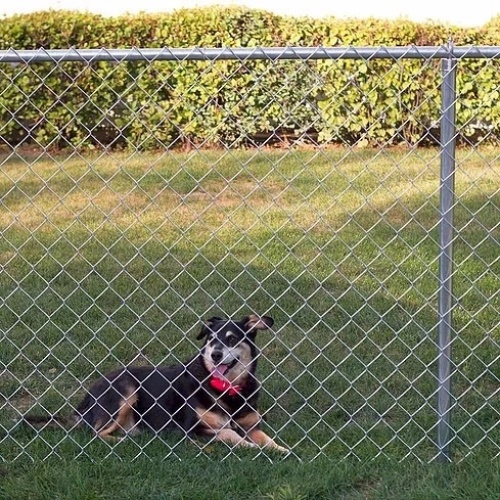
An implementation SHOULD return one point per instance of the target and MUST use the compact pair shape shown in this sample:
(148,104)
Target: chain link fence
(142,193)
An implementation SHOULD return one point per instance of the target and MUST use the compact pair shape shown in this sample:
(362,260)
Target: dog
(214,394)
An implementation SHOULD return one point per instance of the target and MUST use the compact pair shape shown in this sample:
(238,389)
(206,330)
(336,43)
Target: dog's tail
(52,421)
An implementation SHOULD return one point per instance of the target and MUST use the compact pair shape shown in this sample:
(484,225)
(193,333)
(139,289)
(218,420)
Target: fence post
(446,233)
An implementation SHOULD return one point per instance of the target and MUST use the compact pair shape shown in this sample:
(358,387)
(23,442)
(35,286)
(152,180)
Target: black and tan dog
(213,394)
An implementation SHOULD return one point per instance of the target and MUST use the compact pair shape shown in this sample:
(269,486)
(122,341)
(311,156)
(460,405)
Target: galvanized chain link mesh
(114,250)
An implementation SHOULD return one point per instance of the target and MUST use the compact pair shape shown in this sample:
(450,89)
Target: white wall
(460,13)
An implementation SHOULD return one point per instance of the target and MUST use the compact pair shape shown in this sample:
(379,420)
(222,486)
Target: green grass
(249,480)
(114,258)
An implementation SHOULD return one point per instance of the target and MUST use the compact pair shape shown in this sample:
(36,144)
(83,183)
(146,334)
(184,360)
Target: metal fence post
(446,233)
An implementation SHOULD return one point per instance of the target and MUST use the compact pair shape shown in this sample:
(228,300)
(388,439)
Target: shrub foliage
(167,104)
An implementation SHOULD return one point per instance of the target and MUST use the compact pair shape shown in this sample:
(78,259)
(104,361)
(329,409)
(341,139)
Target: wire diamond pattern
(122,231)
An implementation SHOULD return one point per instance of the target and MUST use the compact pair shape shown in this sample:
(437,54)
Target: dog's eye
(231,340)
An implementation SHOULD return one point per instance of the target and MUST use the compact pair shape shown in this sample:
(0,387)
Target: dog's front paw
(281,449)
(272,445)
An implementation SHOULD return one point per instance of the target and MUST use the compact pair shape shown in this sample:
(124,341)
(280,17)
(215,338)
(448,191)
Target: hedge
(167,104)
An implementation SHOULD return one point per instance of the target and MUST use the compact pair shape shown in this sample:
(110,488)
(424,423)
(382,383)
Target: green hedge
(149,105)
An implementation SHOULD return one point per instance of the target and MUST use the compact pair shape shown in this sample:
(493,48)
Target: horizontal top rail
(248,53)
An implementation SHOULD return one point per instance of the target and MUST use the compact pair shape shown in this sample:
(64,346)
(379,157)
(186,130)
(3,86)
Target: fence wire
(146,190)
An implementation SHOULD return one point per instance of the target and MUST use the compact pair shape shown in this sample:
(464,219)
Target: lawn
(110,259)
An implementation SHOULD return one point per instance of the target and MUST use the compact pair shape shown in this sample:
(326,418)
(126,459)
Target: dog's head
(229,350)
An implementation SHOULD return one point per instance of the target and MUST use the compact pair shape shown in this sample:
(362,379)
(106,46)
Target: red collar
(221,385)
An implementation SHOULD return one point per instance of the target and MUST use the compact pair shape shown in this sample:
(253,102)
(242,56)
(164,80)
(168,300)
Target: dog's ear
(205,329)
(254,322)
